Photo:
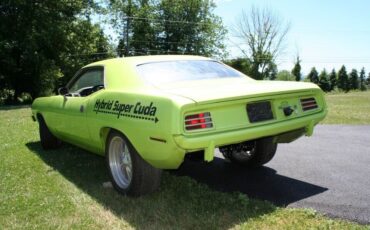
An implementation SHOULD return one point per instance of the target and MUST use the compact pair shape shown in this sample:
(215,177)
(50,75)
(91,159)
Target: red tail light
(198,121)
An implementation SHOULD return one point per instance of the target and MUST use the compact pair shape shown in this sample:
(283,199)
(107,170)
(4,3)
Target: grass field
(64,189)
(348,108)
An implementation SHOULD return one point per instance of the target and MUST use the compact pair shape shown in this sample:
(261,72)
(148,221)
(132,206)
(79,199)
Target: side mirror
(63,91)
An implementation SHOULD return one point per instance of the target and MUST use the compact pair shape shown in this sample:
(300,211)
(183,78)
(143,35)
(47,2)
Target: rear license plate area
(259,111)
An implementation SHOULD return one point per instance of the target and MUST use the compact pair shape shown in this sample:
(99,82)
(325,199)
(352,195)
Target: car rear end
(285,115)
(228,107)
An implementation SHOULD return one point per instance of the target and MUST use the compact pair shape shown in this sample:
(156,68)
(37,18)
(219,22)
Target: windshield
(175,71)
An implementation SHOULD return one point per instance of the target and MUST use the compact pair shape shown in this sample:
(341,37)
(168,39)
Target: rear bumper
(209,142)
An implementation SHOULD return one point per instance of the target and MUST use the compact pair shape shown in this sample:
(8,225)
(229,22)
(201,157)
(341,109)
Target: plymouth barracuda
(148,113)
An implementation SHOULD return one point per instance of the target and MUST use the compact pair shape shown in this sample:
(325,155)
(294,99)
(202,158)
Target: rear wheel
(130,174)
(251,154)
(48,140)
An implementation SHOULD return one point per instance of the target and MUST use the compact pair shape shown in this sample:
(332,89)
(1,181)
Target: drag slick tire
(252,154)
(130,174)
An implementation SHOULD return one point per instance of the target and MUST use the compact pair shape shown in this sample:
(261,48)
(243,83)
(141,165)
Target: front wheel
(251,154)
(130,174)
(47,139)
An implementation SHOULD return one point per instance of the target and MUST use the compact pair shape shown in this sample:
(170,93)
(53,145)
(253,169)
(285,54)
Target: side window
(86,81)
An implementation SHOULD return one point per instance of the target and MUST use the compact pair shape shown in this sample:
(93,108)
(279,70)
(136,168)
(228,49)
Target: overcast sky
(325,33)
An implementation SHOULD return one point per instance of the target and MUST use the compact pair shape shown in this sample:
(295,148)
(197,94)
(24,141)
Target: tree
(144,31)
(333,79)
(362,80)
(262,34)
(285,75)
(86,43)
(296,71)
(241,64)
(343,79)
(353,79)
(313,76)
(324,81)
(202,33)
(168,27)
(271,71)
(37,40)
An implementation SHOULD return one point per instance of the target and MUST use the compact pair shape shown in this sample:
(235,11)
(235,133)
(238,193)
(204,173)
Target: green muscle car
(148,113)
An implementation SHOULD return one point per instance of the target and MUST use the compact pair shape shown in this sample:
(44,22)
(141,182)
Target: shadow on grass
(180,202)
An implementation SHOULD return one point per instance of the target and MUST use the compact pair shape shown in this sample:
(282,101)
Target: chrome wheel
(120,162)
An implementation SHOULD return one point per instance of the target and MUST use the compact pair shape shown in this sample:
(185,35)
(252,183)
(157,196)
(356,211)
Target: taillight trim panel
(196,122)
(308,104)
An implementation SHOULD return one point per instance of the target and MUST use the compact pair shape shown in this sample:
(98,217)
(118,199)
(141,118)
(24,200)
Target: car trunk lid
(209,91)
(229,104)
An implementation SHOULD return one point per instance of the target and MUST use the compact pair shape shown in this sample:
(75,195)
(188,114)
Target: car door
(73,122)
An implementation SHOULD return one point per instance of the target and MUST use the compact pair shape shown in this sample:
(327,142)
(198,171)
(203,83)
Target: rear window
(189,70)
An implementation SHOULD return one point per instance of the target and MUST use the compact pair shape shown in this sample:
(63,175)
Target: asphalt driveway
(329,172)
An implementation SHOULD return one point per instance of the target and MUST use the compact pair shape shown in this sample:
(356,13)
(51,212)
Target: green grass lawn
(64,189)
(348,108)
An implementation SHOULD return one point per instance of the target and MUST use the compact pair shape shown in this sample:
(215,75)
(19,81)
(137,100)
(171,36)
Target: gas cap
(288,111)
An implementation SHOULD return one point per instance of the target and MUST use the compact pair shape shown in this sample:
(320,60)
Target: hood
(231,89)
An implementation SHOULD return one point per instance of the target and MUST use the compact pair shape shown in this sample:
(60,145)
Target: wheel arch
(104,134)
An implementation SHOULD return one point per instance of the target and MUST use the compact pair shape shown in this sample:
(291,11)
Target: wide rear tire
(130,174)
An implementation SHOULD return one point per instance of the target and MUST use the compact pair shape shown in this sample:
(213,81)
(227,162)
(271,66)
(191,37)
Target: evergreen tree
(343,79)
(324,81)
(313,76)
(368,80)
(362,80)
(353,79)
(296,71)
(333,79)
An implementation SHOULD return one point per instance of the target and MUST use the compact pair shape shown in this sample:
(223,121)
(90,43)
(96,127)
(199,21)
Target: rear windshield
(175,71)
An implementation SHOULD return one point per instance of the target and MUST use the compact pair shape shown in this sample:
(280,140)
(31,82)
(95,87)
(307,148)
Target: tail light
(198,121)
(308,104)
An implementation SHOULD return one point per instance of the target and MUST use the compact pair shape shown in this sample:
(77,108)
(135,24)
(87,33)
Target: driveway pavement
(329,172)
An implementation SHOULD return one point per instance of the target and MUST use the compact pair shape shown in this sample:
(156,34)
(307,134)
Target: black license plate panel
(259,111)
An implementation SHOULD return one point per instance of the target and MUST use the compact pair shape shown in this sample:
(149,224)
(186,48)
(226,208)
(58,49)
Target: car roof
(137,60)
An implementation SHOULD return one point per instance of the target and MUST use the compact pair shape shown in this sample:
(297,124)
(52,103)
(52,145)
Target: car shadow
(262,183)
(178,196)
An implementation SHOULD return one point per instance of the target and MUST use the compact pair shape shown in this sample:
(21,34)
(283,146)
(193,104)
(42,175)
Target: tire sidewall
(47,139)
(133,162)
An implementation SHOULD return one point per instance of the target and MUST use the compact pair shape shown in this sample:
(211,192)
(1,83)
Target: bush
(6,96)
(25,98)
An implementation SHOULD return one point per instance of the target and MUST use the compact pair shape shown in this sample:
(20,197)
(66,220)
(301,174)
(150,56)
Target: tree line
(341,80)
(43,43)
